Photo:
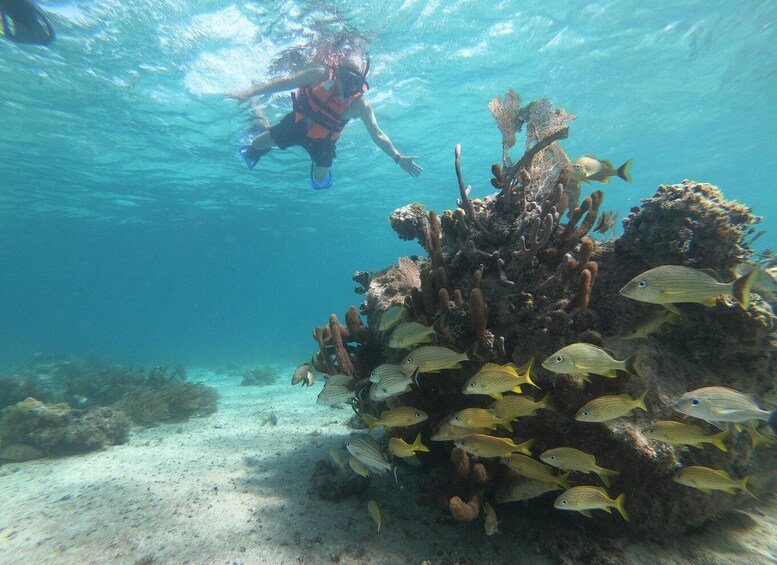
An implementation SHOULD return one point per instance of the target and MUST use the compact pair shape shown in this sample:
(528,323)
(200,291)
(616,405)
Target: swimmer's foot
(251,155)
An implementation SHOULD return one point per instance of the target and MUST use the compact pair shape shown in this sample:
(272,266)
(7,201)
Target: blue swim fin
(326,183)
(251,155)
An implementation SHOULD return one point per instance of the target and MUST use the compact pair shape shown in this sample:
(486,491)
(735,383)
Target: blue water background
(130,229)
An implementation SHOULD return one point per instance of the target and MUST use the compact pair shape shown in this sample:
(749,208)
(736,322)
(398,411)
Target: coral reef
(507,280)
(57,429)
(259,376)
(147,406)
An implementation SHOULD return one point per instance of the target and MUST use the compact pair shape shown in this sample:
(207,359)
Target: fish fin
(605,479)
(710,302)
(516,389)
(713,273)
(498,395)
(563,480)
(672,308)
(605,180)
(624,172)
(369,421)
(719,425)
(633,364)
(743,486)
(607,509)
(705,490)
(742,286)
(414,376)
(641,401)
(739,427)
(621,500)
(546,403)
(717,441)
(773,421)
(606,163)
(586,513)
(418,445)
(506,424)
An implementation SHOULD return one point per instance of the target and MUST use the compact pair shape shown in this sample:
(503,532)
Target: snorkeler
(326,98)
(22,22)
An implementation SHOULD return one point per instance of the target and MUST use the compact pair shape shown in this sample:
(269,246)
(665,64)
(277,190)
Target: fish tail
(528,378)
(773,421)
(605,475)
(624,171)
(633,364)
(506,423)
(546,403)
(742,286)
(418,445)
(563,480)
(369,421)
(717,441)
(414,376)
(525,447)
(743,486)
(619,505)
(641,401)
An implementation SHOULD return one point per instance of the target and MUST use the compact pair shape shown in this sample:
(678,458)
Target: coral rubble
(507,279)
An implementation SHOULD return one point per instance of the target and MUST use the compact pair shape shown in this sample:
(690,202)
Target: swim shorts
(288,133)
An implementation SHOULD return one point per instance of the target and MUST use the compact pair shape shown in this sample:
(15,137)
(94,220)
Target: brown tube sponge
(464,512)
(460,460)
(445,299)
(478,312)
(356,329)
(341,353)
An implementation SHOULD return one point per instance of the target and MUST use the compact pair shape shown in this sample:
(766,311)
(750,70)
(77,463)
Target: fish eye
(471,385)
(564,501)
(695,402)
(417,414)
(587,413)
(650,431)
(559,359)
(642,284)
(456,419)
(552,457)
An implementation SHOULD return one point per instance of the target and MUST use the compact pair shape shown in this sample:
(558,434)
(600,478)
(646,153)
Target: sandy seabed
(227,490)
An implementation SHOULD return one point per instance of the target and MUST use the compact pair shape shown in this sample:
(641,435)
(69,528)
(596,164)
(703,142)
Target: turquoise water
(130,229)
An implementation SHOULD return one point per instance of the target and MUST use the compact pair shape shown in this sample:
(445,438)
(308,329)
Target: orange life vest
(324,108)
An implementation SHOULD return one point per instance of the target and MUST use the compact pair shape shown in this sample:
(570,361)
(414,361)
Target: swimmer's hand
(241,96)
(409,166)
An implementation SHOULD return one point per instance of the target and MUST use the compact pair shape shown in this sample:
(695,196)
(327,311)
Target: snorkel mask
(351,79)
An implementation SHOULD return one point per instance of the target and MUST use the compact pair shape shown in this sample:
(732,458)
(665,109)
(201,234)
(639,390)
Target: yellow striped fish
(431,359)
(358,467)
(390,386)
(338,458)
(571,459)
(607,408)
(673,284)
(374,510)
(391,317)
(533,469)
(490,446)
(447,432)
(491,523)
(478,418)
(583,499)
(520,406)
(408,334)
(332,395)
(522,490)
(495,379)
(677,433)
(400,417)
(400,448)
(369,452)
(385,370)
(756,437)
(707,480)
(583,359)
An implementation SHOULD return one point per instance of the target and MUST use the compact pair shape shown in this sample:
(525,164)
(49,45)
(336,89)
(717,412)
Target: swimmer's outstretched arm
(309,77)
(363,110)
